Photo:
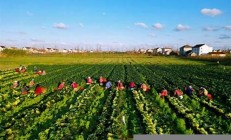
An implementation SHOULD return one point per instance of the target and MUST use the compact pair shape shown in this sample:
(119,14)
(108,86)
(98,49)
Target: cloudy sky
(120,23)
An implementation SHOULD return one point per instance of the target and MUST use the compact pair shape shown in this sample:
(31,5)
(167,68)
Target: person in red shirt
(39,72)
(178,93)
(132,85)
(17,70)
(74,85)
(210,97)
(145,87)
(23,69)
(163,93)
(120,85)
(89,81)
(60,86)
(101,80)
(39,90)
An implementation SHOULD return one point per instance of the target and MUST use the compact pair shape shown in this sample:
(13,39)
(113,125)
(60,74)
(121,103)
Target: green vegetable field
(93,112)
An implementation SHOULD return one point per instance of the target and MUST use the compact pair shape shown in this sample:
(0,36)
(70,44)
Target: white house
(185,50)
(63,50)
(52,50)
(166,51)
(28,49)
(2,48)
(141,50)
(149,51)
(157,50)
(201,49)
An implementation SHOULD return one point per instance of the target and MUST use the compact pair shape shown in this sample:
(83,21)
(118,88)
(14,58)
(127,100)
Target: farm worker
(203,91)
(35,69)
(101,80)
(89,81)
(178,93)
(132,85)
(120,85)
(189,90)
(17,70)
(43,72)
(74,85)
(31,84)
(39,72)
(210,97)
(60,85)
(108,85)
(20,67)
(15,84)
(163,93)
(145,87)
(38,90)
(23,69)
(25,89)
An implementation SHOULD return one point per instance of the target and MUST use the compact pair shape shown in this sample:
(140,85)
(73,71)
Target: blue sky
(115,23)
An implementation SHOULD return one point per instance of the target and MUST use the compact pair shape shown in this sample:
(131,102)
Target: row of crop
(168,122)
(72,115)
(175,77)
(18,123)
(118,74)
(172,82)
(118,127)
(21,98)
(86,71)
(65,117)
(216,85)
(153,107)
(30,103)
(176,81)
(133,75)
(50,71)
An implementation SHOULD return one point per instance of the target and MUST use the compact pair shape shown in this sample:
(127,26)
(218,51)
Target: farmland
(93,112)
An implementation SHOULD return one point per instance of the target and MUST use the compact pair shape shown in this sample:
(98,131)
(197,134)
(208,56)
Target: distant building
(141,51)
(2,48)
(51,50)
(149,51)
(157,50)
(185,50)
(28,49)
(166,51)
(201,49)
(64,51)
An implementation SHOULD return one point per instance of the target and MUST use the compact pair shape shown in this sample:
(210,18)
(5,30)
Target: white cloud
(60,26)
(81,25)
(158,26)
(210,29)
(211,12)
(141,24)
(228,27)
(181,27)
